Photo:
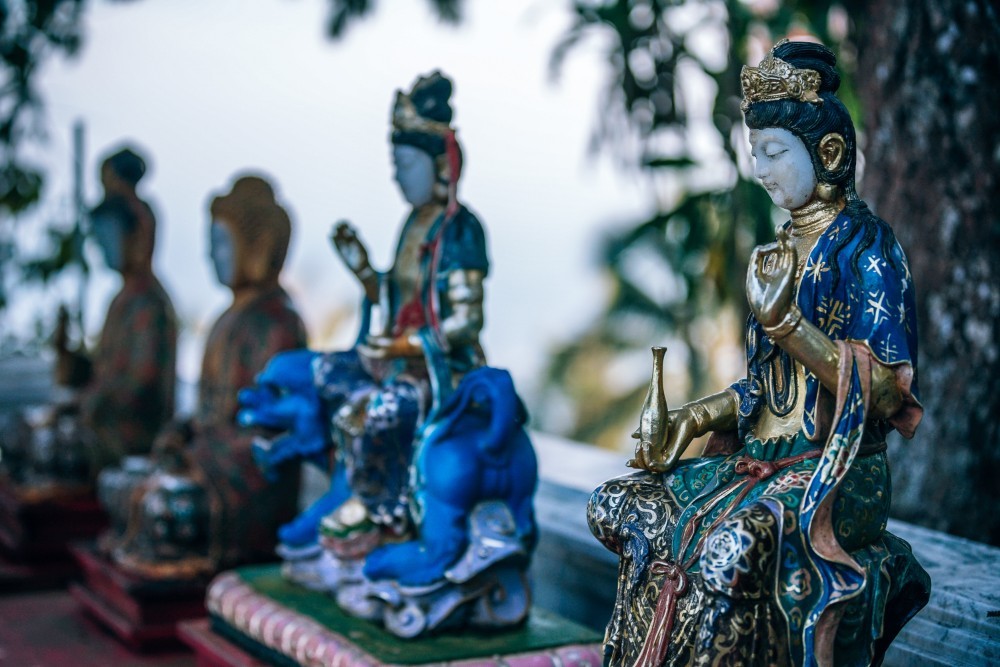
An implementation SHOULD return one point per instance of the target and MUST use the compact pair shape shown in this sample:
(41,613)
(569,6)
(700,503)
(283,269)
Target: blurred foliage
(29,31)
(67,250)
(343,13)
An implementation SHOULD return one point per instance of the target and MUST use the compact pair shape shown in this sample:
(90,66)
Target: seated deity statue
(429,453)
(118,398)
(772,548)
(205,505)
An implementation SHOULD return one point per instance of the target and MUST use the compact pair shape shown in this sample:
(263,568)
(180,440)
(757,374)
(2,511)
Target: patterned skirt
(714,566)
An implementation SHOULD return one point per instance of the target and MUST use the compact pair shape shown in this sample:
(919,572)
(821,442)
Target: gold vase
(653,426)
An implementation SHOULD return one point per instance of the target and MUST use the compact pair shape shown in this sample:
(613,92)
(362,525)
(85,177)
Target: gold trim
(814,217)
(774,79)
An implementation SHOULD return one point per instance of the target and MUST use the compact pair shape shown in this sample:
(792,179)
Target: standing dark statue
(130,395)
(207,506)
(772,548)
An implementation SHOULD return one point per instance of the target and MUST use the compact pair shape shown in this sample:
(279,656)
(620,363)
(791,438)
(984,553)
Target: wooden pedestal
(142,613)
(37,527)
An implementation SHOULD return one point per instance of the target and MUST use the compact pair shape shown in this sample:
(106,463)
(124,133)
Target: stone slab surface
(48,630)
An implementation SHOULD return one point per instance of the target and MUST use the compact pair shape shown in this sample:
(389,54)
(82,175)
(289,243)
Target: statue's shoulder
(465,221)
(464,241)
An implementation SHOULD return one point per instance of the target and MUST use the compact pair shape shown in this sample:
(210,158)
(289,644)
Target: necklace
(814,217)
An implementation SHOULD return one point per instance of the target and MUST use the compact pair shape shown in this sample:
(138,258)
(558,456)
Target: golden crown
(774,79)
(406,119)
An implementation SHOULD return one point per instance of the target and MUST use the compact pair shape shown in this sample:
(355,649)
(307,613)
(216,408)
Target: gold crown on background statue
(774,79)
(406,119)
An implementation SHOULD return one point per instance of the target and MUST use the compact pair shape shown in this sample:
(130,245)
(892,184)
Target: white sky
(211,87)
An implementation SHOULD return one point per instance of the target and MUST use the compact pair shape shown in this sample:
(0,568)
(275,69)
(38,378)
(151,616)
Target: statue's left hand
(681,430)
(771,280)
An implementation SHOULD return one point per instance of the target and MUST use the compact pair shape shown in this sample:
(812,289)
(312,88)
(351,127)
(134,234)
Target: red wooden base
(211,649)
(142,613)
(36,528)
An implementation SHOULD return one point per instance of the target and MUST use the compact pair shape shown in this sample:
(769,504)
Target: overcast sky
(212,87)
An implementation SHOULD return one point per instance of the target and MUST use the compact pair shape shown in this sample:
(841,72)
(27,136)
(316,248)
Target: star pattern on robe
(889,349)
(833,314)
(874,264)
(876,306)
(815,270)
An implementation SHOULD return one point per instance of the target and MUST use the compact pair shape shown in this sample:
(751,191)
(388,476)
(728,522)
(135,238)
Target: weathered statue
(413,397)
(207,506)
(772,548)
(131,392)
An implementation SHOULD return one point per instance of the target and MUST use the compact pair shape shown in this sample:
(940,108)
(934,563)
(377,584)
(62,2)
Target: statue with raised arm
(771,548)
(207,506)
(430,457)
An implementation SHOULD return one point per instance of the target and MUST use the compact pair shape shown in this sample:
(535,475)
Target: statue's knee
(610,507)
(739,557)
(599,515)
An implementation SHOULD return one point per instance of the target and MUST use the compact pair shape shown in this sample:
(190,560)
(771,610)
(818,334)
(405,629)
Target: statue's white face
(222,252)
(783,167)
(415,174)
(108,234)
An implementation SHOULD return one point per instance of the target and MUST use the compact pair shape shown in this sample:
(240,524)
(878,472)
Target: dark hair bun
(809,55)
(128,165)
(431,97)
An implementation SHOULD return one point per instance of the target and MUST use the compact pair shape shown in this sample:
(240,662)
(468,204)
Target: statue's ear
(832,148)
(255,265)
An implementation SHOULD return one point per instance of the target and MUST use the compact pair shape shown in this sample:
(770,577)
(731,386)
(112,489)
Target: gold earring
(827,191)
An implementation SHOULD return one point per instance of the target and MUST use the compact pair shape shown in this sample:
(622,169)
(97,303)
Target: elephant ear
(507,413)
(492,389)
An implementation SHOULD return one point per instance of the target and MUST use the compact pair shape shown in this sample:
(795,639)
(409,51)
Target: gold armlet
(788,324)
(714,412)
(702,417)
(465,294)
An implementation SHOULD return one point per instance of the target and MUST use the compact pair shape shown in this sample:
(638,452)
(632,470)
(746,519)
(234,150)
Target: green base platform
(277,621)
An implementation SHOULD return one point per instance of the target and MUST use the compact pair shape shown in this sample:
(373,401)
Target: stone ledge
(575,576)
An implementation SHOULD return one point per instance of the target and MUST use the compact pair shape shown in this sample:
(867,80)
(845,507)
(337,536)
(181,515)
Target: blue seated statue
(428,521)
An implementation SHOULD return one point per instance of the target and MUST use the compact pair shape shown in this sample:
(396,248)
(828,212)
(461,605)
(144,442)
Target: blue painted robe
(869,304)
(812,533)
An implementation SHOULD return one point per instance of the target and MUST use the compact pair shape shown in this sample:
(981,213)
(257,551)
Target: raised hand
(771,280)
(350,248)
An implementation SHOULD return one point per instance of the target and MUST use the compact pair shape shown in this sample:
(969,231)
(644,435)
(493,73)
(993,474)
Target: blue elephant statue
(474,479)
